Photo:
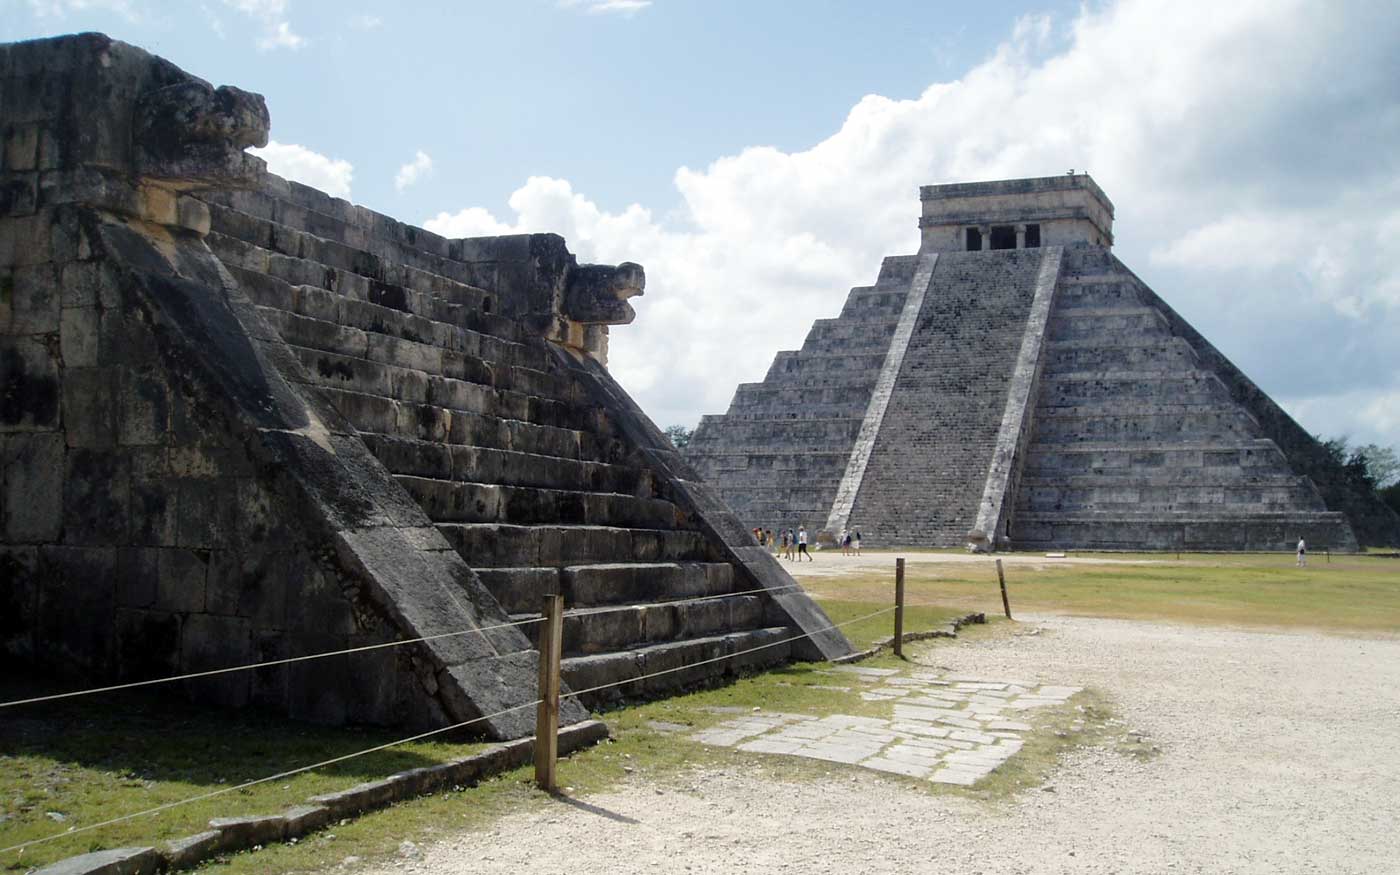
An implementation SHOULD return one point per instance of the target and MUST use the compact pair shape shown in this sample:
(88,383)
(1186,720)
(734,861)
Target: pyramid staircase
(483,424)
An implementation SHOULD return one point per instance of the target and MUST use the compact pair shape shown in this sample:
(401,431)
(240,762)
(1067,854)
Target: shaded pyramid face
(1028,396)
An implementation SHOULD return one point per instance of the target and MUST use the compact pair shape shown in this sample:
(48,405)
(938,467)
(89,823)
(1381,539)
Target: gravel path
(1281,753)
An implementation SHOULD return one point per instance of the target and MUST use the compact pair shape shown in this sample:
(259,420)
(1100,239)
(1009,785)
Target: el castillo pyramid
(1015,385)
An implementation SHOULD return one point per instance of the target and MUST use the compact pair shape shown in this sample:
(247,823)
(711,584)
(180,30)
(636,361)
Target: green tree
(1382,464)
(679,435)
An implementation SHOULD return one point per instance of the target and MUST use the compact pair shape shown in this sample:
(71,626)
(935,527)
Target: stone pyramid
(245,421)
(1015,385)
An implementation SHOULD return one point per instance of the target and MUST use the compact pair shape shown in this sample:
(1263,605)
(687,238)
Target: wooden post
(547,716)
(899,607)
(1001,578)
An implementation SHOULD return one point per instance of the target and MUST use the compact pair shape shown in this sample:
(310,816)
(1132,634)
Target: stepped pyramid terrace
(244,420)
(1015,385)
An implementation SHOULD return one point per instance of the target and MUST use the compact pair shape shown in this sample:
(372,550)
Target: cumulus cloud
(301,164)
(625,8)
(272,15)
(1239,144)
(408,174)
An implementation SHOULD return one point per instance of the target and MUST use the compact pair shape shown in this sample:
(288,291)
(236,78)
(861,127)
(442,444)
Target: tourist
(1302,553)
(845,543)
(856,542)
(786,551)
(802,544)
(772,542)
(791,543)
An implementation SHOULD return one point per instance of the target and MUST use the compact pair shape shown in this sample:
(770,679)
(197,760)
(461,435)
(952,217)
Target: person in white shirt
(1302,553)
(802,544)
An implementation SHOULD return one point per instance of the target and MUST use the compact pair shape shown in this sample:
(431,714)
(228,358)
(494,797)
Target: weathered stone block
(29,300)
(182,580)
(209,642)
(188,852)
(96,497)
(29,383)
(76,589)
(118,861)
(33,484)
(241,833)
(90,406)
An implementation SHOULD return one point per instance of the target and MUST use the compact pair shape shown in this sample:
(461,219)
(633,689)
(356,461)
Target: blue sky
(759,158)
(496,92)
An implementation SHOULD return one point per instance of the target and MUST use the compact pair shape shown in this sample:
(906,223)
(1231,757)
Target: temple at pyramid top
(1013,384)
(1015,214)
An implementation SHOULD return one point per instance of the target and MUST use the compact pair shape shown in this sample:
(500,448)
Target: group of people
(784,542)
(792,545)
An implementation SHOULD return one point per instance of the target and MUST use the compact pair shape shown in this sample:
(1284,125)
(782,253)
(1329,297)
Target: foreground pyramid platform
(1014,385)
(244,421)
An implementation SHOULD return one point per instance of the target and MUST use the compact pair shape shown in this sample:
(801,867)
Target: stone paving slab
(944,729)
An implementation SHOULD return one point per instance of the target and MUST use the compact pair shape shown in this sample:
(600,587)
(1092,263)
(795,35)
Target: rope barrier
(271,662)
(290,772)
(361,649)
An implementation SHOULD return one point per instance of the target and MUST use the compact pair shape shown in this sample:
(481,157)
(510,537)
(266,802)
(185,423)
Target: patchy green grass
(69,764)
(1352,594)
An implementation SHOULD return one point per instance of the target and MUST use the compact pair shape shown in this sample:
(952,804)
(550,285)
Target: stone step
(1093,322)
(740,434)
(412,342)
(674,665)
(377,414)
(395,278)
(624,627)
(397,251)
(1061,425)
(779,478)
(1111,293)
(494,545)
(521,589)
(439,461)
(768,395)
(788,367)
(1151,478)
(1158,354)
(1109,498)
(1191,387)
(1180,531)
(465,502)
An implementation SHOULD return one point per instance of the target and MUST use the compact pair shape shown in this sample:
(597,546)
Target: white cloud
(272,15)
(299,163)
(1255,199)
(408,174)
(625,8)
(364,21)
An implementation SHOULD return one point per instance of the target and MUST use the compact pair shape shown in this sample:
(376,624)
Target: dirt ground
(1280,753)
(831,562)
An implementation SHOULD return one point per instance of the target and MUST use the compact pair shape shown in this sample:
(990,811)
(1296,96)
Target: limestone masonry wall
(245,420)
(778,455)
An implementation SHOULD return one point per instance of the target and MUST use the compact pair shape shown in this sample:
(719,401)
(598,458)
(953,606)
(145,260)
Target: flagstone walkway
(949,729)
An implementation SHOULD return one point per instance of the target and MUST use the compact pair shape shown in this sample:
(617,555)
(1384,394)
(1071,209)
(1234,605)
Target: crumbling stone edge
(231,834)
(950,632)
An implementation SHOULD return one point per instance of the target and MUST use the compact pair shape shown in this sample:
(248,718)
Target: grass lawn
(1349,594)
(79,762)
